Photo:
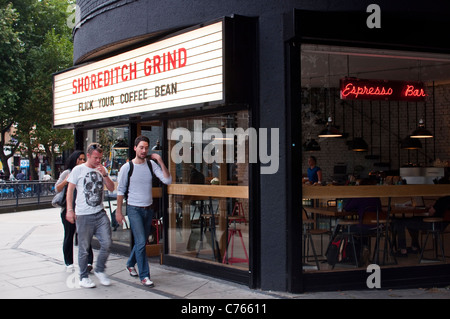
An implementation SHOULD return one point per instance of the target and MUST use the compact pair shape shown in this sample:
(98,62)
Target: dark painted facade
(109,27)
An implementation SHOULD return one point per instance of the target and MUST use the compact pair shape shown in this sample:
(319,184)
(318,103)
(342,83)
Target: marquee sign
(181,70)
(360,89)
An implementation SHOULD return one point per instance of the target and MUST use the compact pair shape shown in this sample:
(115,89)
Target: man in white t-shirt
(90,215)
(139,201)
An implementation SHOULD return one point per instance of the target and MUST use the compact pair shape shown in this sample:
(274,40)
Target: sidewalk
(31,266)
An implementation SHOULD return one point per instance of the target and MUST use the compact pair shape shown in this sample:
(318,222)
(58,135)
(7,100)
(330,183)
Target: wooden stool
(436,232)
(308,242)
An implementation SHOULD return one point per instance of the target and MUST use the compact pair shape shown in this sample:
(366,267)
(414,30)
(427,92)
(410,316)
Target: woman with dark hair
(76,158)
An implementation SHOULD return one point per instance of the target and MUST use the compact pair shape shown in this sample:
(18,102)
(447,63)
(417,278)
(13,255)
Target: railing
(22,193)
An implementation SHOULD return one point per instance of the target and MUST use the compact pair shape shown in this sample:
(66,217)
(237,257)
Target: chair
(436,232)
(382,231)
(237,216)
(232,231)
(308,231)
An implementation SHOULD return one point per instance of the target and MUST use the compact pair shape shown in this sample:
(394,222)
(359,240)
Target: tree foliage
(39,44)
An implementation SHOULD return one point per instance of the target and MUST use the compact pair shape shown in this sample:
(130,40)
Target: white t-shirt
(90,189)
(140,190)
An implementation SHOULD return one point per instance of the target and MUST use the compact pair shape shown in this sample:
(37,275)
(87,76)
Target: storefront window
(208,200)
(375,100)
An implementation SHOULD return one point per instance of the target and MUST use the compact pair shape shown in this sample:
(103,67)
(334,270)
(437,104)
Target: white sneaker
(132,271)
(103,278)
(147,282)
(87,283)
(70,268)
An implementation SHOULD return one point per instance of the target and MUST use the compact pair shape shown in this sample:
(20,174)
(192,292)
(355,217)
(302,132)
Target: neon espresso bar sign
(360,89)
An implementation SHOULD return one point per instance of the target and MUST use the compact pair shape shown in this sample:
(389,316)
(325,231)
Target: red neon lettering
(351,89)
(411,91)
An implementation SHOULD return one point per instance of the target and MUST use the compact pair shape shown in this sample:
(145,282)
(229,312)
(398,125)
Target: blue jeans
(87,226)
(141,224)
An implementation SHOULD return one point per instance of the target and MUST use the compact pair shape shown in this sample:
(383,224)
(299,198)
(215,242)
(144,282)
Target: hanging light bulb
(421,131)
(330,130)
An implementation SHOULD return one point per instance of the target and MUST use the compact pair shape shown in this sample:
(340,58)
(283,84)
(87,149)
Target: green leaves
(35,42)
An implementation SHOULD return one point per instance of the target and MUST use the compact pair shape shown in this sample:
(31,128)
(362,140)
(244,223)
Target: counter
(326,192)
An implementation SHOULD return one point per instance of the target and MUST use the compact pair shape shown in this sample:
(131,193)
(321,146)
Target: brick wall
(384,125)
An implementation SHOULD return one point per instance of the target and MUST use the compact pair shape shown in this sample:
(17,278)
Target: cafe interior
(376,121)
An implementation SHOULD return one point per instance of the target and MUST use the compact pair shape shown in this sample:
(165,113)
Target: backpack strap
(130,172)
(155,179)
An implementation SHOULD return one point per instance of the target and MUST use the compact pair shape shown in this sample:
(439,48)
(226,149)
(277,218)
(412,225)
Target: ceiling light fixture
(421,131)
(330,130)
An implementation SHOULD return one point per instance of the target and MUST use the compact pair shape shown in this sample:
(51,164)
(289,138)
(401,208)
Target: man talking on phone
(90,216)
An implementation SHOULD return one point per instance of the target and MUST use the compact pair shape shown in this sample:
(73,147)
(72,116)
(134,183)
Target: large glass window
(375,100)
(208,200)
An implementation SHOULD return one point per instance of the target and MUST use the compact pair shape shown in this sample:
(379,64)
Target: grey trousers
(97,225)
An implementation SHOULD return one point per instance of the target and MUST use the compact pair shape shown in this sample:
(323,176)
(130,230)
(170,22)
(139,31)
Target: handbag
(59,200)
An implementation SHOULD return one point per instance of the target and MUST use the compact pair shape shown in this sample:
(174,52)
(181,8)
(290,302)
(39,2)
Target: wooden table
(326,211)
(384,191)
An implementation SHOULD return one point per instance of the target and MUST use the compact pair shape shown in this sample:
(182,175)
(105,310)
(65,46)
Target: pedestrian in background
(76,158)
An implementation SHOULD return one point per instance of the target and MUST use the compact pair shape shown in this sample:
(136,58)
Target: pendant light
(411,143)
(421,131)
(120,145)
(330,130)
(359,144)
(311,145)
(157,146)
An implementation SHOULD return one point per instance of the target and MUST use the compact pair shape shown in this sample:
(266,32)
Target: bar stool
(238,210)
(232,231)
(436,232)
(383,232)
